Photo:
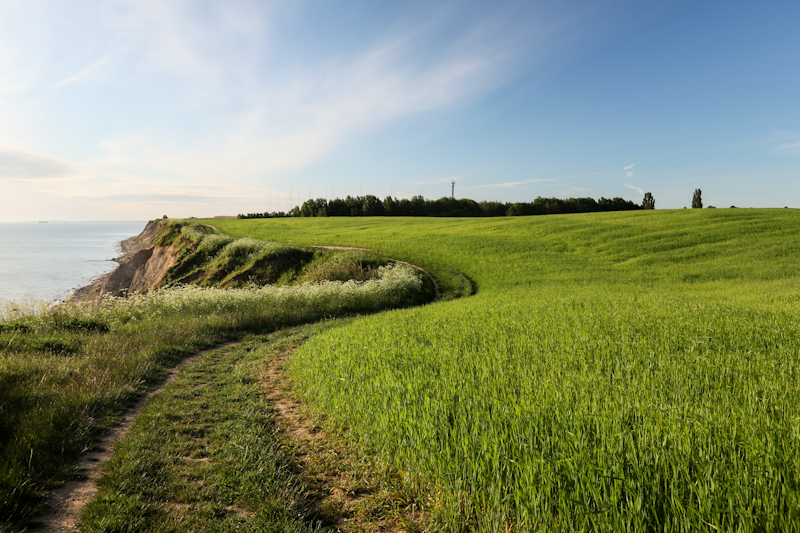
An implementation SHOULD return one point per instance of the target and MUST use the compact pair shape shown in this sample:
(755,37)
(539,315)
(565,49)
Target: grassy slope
(615,371)
(498,253)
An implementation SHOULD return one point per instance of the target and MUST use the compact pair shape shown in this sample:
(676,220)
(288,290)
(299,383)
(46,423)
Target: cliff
(142,267)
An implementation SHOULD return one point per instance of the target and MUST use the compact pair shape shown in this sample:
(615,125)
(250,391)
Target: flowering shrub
(211,244)
(248,247)
(192,232)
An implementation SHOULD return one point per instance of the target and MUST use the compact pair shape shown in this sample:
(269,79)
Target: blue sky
(129,110)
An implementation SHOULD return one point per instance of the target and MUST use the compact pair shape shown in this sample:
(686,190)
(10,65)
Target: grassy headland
(68,372)
(617,371)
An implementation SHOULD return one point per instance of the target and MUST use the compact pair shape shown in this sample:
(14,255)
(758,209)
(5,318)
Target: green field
(617,372)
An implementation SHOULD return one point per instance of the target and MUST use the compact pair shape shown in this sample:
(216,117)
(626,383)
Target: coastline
(44,264)
(126,248)
(140,267)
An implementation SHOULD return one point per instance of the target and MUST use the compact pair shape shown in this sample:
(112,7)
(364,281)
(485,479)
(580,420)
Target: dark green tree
(419,206)
(390,207)
(314,208)
(493,209)
(697,201)
(648,202)
(338,208)
(354,206)
(371,206)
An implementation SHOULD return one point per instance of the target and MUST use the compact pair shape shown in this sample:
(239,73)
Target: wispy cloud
(782,142)
(628,171)
(185,92)
(788,148)
(229,96)
(634,187)
(93,72)
(17,165)
(161,198)
(277,117)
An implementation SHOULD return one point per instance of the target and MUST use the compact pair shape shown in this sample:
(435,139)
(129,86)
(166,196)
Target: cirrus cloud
(17,164)
(634,187)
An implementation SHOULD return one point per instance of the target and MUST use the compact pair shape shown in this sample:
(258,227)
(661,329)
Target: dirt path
(66,502)
(342,492)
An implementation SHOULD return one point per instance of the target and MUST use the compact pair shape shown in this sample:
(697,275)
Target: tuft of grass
(343,265)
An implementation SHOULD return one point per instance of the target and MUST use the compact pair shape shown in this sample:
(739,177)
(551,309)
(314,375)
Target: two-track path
(66,503)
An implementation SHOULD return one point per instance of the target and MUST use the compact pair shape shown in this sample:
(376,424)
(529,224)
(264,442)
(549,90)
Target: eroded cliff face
(141,269)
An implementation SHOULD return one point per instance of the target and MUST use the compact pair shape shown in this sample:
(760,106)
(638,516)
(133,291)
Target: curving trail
(66,503)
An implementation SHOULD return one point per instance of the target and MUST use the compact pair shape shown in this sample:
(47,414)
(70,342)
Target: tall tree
(697,201)
(648,202)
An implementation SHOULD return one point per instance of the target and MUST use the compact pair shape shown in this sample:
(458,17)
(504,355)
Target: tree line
(419,206)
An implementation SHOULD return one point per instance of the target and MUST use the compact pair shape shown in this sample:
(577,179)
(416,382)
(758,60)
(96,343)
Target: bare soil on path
(344,498)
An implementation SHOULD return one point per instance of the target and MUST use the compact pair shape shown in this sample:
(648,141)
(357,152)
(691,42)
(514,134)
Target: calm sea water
(48,261)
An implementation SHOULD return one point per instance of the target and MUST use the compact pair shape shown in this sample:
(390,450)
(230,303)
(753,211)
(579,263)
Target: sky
(135,109)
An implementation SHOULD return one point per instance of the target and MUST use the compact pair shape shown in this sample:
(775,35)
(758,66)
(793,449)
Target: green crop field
(614,372)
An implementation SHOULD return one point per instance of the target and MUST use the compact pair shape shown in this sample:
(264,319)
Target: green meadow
(614,371)
(632,371)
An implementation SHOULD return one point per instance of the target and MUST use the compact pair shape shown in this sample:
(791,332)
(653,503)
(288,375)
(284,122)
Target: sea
(47,261)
